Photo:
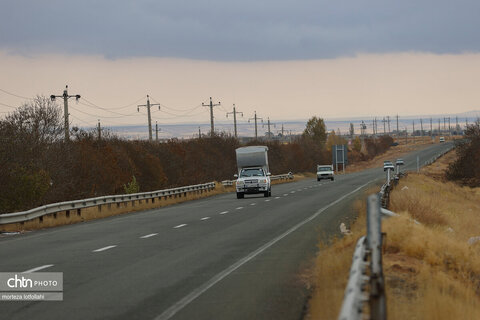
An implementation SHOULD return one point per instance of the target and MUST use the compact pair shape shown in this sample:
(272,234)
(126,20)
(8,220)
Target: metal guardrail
(352,307)
(85,203)
(435,158)
(366,270)
(286,176)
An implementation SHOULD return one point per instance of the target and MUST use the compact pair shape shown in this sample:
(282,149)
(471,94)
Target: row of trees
(38,167)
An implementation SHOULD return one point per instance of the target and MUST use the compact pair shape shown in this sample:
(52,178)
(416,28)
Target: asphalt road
(215,258)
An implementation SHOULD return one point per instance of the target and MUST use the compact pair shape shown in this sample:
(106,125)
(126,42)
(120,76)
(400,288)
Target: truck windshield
(324,169)
(257,172)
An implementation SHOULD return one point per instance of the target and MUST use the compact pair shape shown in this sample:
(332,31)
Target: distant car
(442,139)
(388,165)
(325,172)
(399,162)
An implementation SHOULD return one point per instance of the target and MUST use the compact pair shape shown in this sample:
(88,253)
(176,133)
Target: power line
(175,109)
(8,106)
(15,95)
(81,120)
(116,108)
(92,105)
(175,116)
(103,117)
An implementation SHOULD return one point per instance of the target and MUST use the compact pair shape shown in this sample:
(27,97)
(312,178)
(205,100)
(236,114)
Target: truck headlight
(239,183)
(263,181)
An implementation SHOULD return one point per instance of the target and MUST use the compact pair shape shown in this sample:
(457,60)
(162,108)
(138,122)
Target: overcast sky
(284,59)
(246,30)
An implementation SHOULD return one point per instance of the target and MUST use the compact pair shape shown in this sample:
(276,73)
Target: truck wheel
(265,194)
(240,195)
(332,179)
(318,179)
(270,192)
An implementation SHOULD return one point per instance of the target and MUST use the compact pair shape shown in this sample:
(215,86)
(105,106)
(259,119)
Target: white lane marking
(205,218)
(292,191)
(148,235)
(223,212)
(180,226)
(104,248)
(239,208)
(277,197)
(179,305)
(299,190)
(38,268)
(285,194)
(305,188)
(252,204)
(267,200)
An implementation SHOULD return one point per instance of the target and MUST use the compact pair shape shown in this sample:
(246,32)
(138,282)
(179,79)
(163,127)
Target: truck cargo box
(254,156)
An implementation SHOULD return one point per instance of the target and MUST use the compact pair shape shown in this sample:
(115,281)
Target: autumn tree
(465,169)
(334,139)
(25,137)
(315,130)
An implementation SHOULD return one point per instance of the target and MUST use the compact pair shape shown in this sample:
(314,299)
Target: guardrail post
(377,299)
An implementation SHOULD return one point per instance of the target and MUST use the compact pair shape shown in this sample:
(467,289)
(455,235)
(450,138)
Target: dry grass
(431,271)
(332,266)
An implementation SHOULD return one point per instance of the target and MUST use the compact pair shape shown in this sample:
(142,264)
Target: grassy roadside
(431,270)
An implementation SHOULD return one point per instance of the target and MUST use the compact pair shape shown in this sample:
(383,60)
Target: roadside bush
(466,168)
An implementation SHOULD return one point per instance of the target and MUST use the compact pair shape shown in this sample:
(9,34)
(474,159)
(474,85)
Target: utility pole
(148,105)
(211,105)
(156,131)
(65,97)
(431,128)
(388,120)
(398,132)
(99,128)
(234,119)
(256,118)
(449,128)
(421,127)
(363,129)
(268,125)
(413,132)
(439,124)
(199,133)
(384,122)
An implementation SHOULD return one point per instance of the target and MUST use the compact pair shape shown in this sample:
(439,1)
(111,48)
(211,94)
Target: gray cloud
(238,30)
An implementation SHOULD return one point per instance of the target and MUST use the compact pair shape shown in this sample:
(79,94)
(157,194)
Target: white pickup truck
(253,173)
(325,172)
